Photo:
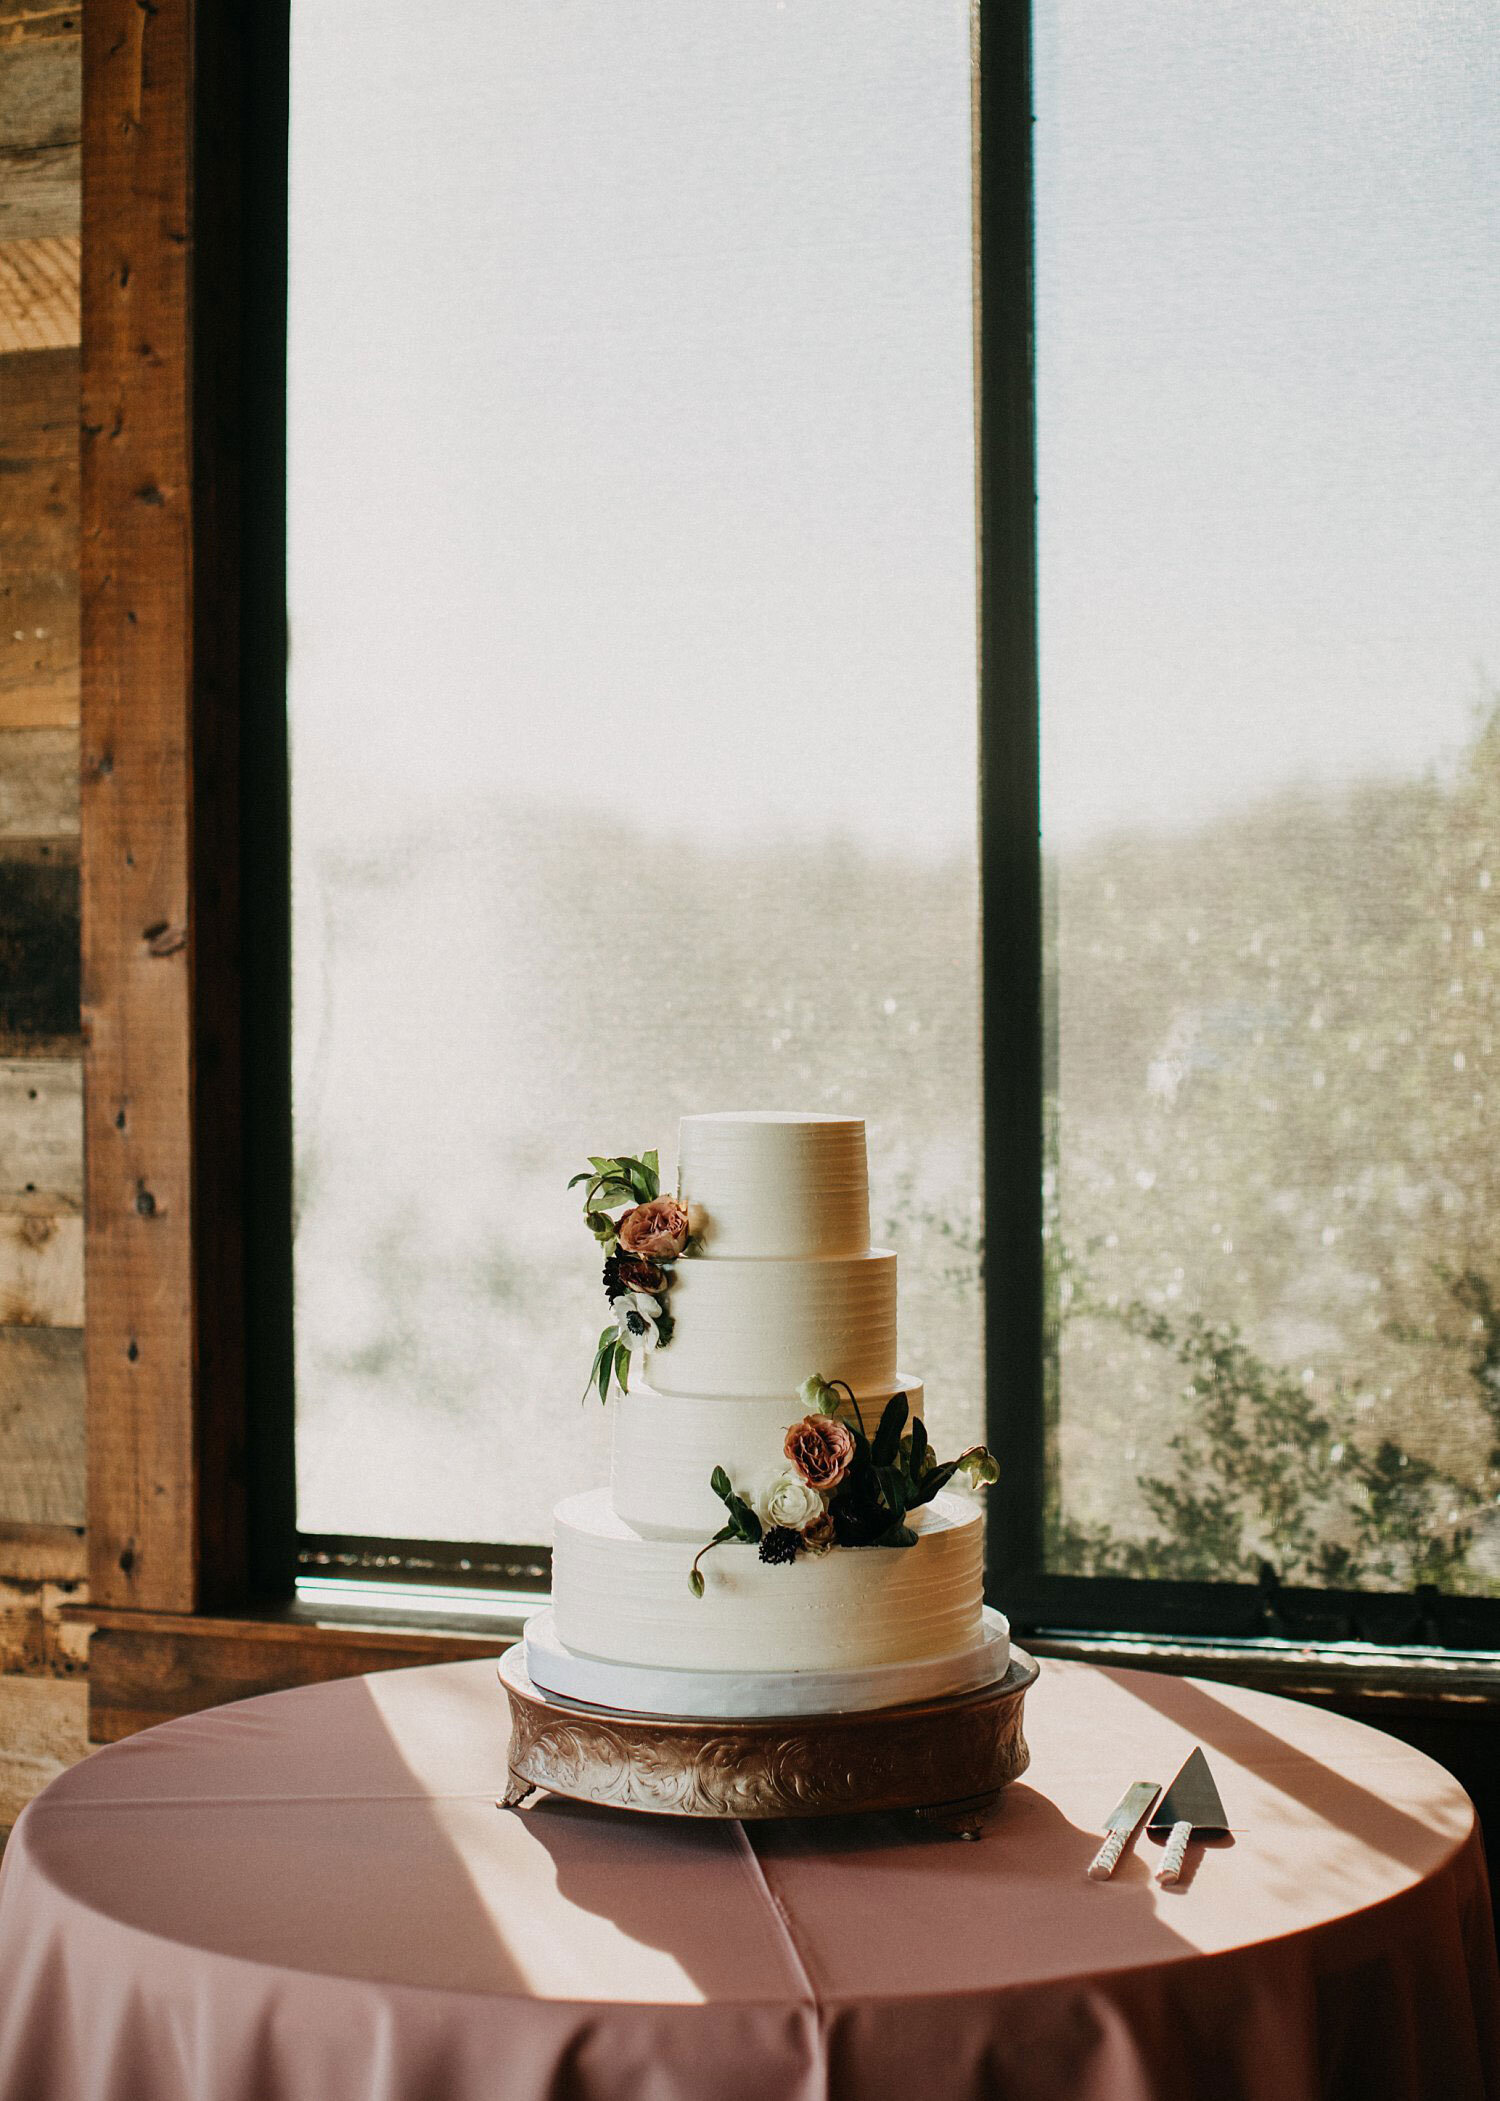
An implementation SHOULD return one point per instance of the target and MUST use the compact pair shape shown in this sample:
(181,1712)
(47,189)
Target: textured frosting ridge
(782,1283)
(667,1445)
(762,1184)
(761,1326)
(625,1597)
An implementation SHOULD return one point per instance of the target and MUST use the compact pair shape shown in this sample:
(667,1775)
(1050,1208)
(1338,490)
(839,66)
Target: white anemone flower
(636,1316)
(784,1498)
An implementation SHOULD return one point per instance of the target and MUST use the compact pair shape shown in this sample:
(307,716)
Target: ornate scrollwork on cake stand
(948,1760)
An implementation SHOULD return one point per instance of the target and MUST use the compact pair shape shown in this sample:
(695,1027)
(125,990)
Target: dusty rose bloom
(818,1534)
(640,1273)
(820,1447)
(656,1229)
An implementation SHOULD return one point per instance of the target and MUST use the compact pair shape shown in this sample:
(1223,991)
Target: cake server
(1190,1808)
(1123,1818)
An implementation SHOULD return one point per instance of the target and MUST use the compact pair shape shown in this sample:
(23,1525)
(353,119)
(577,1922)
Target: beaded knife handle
(1177,1845)
(1104,1862)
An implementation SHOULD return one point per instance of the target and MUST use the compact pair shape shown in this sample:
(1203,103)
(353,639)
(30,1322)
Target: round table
(313,1896)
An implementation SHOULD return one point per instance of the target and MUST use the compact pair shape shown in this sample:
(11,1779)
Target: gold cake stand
(947,1760)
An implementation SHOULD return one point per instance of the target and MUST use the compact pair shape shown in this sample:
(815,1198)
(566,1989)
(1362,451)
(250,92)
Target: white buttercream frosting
(666,1445)
(762,1326)
(761,1184)
(624,1597)
(665,1689)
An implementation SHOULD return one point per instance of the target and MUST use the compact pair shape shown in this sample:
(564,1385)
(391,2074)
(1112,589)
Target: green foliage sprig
(743,1525)
(892,1474)
(636,1283)
(887,1477)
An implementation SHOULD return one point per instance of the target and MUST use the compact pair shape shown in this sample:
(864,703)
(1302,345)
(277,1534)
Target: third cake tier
(761,1326)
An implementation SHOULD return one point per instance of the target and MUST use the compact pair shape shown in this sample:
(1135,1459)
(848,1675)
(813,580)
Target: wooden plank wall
(42,1693)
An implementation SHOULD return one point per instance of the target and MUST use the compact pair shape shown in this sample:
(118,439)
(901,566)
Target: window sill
(1356,1676)
(147,1667)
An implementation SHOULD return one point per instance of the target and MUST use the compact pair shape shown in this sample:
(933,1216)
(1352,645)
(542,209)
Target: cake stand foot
(965,1820)
(518,1792)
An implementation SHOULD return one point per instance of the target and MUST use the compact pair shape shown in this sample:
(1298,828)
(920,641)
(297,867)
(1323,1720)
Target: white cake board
(739,1695)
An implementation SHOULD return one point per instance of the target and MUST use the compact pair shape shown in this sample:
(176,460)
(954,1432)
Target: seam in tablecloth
(778,1913)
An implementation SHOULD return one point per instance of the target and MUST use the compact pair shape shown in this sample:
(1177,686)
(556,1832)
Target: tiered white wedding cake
(847,1575)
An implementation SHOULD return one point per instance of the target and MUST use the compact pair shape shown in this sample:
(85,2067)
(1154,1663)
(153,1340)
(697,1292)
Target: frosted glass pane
(632,683)
(1270,518)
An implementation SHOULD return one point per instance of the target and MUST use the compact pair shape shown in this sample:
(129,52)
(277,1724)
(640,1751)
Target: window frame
(186,903)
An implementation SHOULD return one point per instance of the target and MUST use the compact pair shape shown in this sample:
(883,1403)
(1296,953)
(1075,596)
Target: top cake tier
(769,1183)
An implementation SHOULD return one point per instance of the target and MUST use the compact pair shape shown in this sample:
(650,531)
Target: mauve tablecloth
(313,1897)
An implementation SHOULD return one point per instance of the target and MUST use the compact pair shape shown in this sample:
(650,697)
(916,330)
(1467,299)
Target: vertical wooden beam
(159,742)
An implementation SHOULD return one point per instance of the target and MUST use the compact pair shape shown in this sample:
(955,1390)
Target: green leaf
(888,1436)
(614,1193)
(744,1517)
(917,1456)
(622,1367)
(924,1490)
(640,1182)
(719,1482)
(601,1166)
(898,1536)
(600,1224)
(695,1582)
(894,1490)
(652,1163)
(602,1369)
(602,1350)
(586,1176)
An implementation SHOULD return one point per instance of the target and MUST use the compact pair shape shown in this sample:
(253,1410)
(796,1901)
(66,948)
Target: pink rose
(658,1229)
(820,1447)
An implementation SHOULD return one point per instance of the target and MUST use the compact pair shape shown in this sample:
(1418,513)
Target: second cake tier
(666,1446)
(762,1326)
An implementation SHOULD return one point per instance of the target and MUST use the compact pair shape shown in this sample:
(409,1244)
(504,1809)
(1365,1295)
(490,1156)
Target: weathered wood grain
(138,1677)
(39,442)
(160,731)
(40,122)
(44,1729)
(39,402)
(33,1639)
(41,1426)
(38,784)
(38,649)
(44,1554)
(31,18)
(39,294)
(39,192)
(41,1269)
(39,932)
(40,92)
(41,1135)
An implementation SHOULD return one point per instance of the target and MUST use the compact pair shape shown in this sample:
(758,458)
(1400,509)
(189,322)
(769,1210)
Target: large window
(636,747)
(1268,292)
(632,685)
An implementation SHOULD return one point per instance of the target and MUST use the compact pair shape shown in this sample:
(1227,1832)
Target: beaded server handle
(1172,1859)
(1103,1864)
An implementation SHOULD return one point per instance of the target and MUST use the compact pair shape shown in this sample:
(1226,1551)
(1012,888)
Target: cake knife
(1123,1819)
(1190,1808)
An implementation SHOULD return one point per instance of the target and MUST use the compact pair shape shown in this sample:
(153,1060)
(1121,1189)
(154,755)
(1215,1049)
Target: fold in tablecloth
(313,1897)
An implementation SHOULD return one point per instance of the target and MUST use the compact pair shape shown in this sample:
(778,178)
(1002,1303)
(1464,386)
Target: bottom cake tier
(659,1689)
(623,1597)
